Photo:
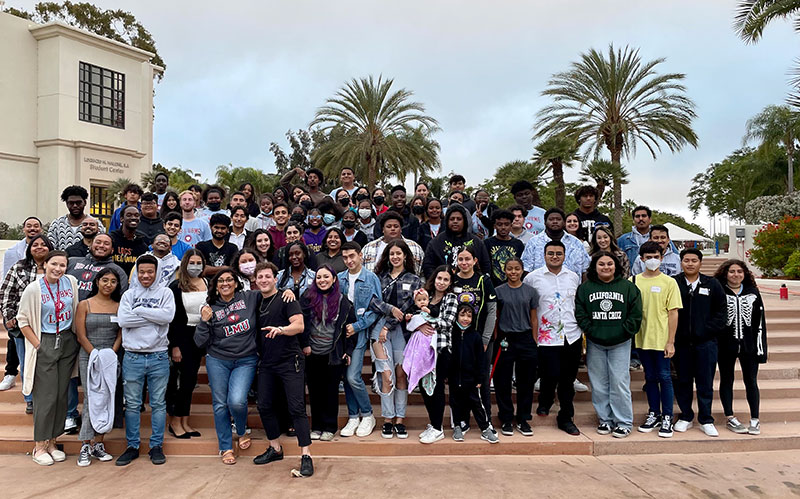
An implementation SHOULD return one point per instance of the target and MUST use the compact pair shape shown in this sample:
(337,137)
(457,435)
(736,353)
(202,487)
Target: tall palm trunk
(790,158)
(558,178)
(615,160)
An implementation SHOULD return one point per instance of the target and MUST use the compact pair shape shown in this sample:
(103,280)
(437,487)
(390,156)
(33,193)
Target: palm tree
(511,172)
(114,190)
(752,16)
(603,173)
(556,152)
(776,125)
(373,130)
(231,177)
(617,101)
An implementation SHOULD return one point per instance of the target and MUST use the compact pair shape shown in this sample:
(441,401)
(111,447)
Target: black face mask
(378,200)
(213,206)
(361,197)
(344,202)
(307,204)
(348,224)
(297,217)
(417,209)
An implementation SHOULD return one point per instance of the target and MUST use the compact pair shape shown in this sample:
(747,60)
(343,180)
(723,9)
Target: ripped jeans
(393,403)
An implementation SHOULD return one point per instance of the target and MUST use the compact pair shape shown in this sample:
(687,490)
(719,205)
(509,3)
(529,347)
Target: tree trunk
(537,200)
(558,178)
(601,189)
(371,174)
(790,168)
(615,159)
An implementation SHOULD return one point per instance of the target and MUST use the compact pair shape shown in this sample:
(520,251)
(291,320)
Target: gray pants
(50,384)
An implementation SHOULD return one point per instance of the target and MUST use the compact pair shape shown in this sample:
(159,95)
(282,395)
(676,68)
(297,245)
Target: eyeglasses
(229,280)
(553,253)
(314,217)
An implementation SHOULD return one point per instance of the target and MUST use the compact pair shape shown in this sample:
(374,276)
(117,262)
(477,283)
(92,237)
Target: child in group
(419,357)
(466,374)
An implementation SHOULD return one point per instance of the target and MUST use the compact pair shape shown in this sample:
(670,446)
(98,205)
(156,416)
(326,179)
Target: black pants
(323,392)
(291,373)
(486,390)
(749,363)
(519,358)
(182,381)
(12,358)
(695,365)
(558,368)
(435,402)
(464,398)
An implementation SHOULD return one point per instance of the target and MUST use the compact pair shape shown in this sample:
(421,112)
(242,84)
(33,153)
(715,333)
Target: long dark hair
(29,256)
(287,267)
(250,244)
(235,262)
(116,295)
(469,248)
(342,238)
(164,210)
(331,299)
(591,273)
(213,296)
(722,273)
(408,260)
(184,282)
(253,193)
(430,284)
(613,248)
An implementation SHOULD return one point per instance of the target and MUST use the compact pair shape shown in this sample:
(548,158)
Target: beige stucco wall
(44,147)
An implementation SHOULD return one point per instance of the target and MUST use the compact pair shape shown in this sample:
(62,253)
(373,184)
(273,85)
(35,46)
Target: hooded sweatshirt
(608,313)
(85,268)
(441,249)
(167,269)
(144,316)
(230,334)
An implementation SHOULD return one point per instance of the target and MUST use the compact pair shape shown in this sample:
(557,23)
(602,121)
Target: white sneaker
(579,387)
(366,426)
(326,436)
(350,428)
(8,382)
(431,435)
(99,452)
(427,429)
(536,385)
(315,435)
(709,429)
(70,424)
(85,456)
(681,426)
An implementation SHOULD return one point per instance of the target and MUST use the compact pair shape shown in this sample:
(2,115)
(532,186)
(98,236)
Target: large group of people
(285,292)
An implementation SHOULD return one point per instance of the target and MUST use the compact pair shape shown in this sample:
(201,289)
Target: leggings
(435,402)
(749,363)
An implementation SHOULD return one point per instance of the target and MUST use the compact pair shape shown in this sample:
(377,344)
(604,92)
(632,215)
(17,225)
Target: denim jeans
(230,381)
(355,390)
(72,399)
(658,381)
(395,401)
(20,344)
(609,374)
(136,369)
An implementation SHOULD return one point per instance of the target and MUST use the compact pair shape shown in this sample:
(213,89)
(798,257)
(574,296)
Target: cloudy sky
(240,74)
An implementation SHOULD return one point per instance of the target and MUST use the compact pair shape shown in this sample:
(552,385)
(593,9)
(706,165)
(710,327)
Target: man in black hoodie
(441,250)
(150,223)
(700,322)
(587,213)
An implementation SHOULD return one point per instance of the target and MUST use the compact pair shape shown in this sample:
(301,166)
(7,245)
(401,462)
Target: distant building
(75,108)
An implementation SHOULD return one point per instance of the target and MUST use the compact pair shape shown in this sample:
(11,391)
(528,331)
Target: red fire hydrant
(784,292)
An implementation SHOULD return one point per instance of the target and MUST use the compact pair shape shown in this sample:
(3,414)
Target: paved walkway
(757,474)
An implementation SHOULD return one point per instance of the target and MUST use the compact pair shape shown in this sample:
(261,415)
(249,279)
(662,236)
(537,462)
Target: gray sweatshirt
(231,332)
(144,316)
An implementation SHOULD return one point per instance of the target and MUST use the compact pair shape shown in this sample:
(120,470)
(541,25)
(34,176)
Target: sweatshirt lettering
(237,328)
(606,295)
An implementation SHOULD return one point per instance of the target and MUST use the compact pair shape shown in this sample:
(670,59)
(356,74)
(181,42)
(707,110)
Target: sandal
(228,457)
(244,442)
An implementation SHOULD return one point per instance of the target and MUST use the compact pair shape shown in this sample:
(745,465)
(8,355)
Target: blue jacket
(116,218)
(628,243)
(368,286)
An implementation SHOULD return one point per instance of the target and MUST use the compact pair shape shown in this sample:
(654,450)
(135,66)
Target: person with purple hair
(328,349)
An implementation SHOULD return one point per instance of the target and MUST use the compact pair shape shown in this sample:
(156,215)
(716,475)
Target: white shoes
(536,385)
(681,426)
(366,426)
(8,382)
(709,429)
(43,459)
(349,429)
(69,425)
(58,456)
(579,387)
(315,435)
(431,435)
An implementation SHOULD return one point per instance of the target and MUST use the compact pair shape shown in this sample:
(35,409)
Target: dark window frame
(101,96)
(100,208)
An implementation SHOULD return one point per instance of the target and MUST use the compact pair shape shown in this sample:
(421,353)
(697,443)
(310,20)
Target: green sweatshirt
(608,313)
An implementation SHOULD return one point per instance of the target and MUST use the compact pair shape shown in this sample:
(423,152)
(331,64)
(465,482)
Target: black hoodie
(704,311)
(746,327)
(468,365)
(440,250)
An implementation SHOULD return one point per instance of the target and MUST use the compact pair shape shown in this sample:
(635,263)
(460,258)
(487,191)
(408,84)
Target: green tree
(603,173)
(179,179)
(663,217)
(114,190)
(437,185)
(499,186)
(231,177)
(616,101)
(556,152)
(302,144)
(752,16)
(373,130)
(115,24)
(776,125)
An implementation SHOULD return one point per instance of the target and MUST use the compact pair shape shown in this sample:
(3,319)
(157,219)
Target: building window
(101,209)
(101,96)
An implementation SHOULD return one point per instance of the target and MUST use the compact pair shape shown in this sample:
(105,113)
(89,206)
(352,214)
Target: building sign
(105,167)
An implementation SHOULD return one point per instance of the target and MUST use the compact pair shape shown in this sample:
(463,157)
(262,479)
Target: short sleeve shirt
(660,294)
(54,320)
(515,307)
(275,312)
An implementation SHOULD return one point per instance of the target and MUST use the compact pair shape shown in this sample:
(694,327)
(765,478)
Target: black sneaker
(525,429)
(157,455)
(541,411)
(129,455)
(652,422)
(400,429)
(569,427)
(29,407)
(507,429)
(306,466)
(666,427)
(268,456)
(604,429)
(387,430)
(620,432)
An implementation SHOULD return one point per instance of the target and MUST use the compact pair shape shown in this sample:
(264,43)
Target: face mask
(348,224)
(417,209)
(247,268)
(266,213)
(297,217)
(194,269)
(361,197)
(462,326)
(652,264)
(364,212)
(328,219)
(213,206)
(344,202)
(378,200)
(306,204)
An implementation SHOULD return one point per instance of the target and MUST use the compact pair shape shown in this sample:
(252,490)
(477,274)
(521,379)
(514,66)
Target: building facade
(75,108)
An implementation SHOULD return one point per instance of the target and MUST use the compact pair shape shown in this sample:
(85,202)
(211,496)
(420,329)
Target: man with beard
(129,243)
(85,268)
(90,227)
(218,252)
(31,227)
(64,230)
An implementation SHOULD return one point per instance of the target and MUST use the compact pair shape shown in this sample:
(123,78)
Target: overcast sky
(240,74)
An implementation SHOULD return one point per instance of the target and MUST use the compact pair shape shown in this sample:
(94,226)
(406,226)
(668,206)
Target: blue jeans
(394,401)
(658,381)
(20,344)
(355,390)
(72,399)
(609,374)
(136,369)
(230,381)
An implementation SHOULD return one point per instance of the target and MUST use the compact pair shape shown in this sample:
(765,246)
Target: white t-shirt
(351,290)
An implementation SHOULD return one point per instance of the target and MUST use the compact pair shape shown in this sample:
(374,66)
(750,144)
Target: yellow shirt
(660,294)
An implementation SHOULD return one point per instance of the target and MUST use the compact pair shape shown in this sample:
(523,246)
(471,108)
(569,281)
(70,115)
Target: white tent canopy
(680,234)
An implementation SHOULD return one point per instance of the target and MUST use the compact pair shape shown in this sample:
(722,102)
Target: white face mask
(364,213)
(194,270)
(652,264)
(247,268)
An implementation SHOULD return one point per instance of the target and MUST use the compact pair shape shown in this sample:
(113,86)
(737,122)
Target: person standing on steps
(161,182)
(501,246)
(193,229)
(518,230)
(172,228)
(90,227)
(670,261)
(127,241)
(744,338)
(31,227)
(131,194)
(64,230)
(588,215)
(522,191)
(150,223)
(701,322)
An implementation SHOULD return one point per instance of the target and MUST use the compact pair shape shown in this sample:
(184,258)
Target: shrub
(771,209)
(792,268)
(774,244)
